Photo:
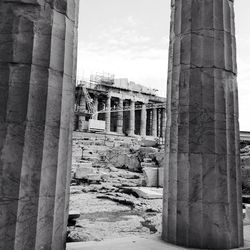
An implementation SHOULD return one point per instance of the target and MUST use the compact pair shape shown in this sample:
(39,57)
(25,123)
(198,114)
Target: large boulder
(123,158)
(245,166)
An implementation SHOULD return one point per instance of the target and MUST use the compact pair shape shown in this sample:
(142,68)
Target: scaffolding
(103,78)
(82,92)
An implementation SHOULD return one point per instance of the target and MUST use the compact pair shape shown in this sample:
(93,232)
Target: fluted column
(120,117)
(82,109)
(164,121)
(37,80)
(159,122)
(132,118)
(202,194)
(154,122)
(143,120)
(108,114)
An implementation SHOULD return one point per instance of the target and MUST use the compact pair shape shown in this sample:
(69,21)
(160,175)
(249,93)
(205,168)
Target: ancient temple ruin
(119,106)
(202,193)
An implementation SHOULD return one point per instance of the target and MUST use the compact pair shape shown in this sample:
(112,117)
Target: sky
(129,38)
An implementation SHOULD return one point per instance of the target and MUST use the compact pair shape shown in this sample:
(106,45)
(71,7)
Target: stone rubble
(119,174)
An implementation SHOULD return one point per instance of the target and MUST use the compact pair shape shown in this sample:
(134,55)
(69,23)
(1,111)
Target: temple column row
(158,118)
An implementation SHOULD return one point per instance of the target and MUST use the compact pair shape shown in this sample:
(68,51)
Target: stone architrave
(202,191)
(108,114)
(120,117)
(38,48)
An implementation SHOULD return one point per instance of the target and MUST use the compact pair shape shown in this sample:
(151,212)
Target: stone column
(159,122)
(154,122)
(82,116)
(164,121)
(37,79)
(95,105)
(132,118)
(202,196)
(108,114)
(143,120)
(120,117)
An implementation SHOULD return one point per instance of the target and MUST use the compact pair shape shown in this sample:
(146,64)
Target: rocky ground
(245,167)
(104,174)
(113,214)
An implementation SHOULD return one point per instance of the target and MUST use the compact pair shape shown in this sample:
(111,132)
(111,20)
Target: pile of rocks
(245,168)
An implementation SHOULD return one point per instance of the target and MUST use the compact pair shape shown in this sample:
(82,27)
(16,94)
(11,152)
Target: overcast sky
(129,38)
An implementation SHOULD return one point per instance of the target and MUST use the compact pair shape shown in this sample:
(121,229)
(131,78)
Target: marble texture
(132,118)
(143,120)
(154,123)
(202,180)
(164,121)
(120,117)
(108,114)
(38,45)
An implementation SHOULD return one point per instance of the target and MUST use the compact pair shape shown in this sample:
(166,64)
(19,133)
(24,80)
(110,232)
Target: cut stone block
(83,170)
(148,164)
(160,177)
(247,212)
(151,176)
(148,193)
(74,214)
(93,177)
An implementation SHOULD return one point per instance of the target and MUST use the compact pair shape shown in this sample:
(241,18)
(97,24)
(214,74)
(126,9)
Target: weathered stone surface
(83,170)
(123,158)
(148,165)
(160,177)
(74,214)
(246,177)
(37,79)
(151,176)
(148,193)
(93,177)
(247,212)
(202,198)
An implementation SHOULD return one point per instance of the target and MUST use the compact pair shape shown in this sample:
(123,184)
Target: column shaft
(164,120)
(143,120)
(159,122)
(132,118)
(120,117)
(108,114)
(37,79)
(202,196)
(154,122)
